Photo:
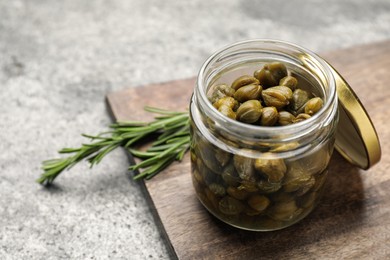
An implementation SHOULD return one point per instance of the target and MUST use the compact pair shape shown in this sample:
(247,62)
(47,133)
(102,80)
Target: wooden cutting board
(352,220)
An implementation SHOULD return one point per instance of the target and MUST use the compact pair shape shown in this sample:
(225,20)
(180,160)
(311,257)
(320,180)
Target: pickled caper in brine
(230,176)
(244,81)
(227,101)
(220,91)
(230,206)
(222,157)
(298,179)
(285,118)
(273,169)
(298,100)
(284,211)
(244,167)
(313,106)
(289,81)
(269,116)
(266,187)
(249,111)
(271,74)
(236,193)
(227,111)
(301,117)
(248,92)
(258,202)
(277,97)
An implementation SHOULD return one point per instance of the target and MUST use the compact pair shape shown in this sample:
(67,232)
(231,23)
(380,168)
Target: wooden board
(353,219)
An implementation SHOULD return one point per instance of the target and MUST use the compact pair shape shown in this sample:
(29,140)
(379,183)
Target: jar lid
(356,138)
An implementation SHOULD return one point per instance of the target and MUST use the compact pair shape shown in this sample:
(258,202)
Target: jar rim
(242,128)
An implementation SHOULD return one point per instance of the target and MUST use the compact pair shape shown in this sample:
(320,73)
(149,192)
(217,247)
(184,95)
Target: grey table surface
(58,59)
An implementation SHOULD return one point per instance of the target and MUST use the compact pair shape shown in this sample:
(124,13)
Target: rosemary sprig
(170,132)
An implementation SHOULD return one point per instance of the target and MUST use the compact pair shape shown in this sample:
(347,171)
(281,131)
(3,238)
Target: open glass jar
(232,162)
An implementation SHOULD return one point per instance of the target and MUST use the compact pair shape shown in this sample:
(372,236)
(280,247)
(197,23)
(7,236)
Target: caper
(217,189)
(222,157)
(213,200)
(301,117)
(278,96)
(258,202)
(207,156)
(197,176)
(227,101)
(230,206)
(268,187)
(285,211)
(243,81)
(269,116)
(230,176)
(271,74)
(227,111)
(297,178)
(249,186)
(248,92)
(313,106)
(220,91)
(285,118)
(249,111)
(289,81)
(244,167)
(299,99)
(273,169)
(236,193)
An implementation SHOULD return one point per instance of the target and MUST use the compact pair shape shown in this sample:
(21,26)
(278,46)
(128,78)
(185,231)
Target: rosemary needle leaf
(169,132)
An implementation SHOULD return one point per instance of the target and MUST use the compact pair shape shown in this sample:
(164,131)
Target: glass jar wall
(257,177)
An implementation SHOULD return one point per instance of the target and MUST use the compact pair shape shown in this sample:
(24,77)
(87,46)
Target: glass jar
(256,177)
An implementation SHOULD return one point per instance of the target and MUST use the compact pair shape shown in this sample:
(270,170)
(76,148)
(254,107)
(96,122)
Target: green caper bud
(289,81)
(236,193)
(271,74)
(313,106)
(285,118)
(212,198)
(217,189)
(220,91)
(301,117)
(249,186)
(230,206)
(273,169)
(248,92)
(266,187)
(227,111)
(227,101)
(197,176)
(243,81)
(230,176)
(244,167)
(284,211)
(269,116)
(297,178)
(277,97)
(249,111)
(258,202)
(222,157)
(299,99)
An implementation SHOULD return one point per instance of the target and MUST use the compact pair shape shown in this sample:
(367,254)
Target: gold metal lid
(356,137)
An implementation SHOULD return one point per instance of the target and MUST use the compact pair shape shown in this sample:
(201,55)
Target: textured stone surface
(57,61)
